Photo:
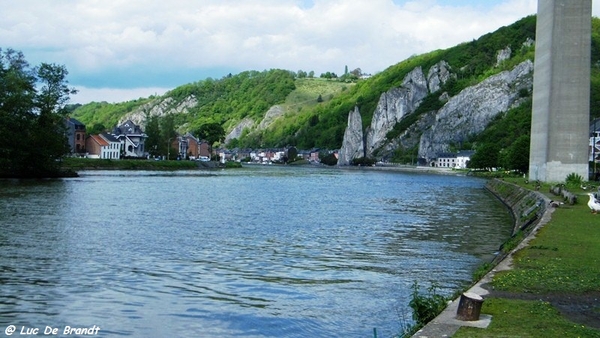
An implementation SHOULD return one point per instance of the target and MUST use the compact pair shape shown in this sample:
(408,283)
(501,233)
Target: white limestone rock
(236,132)
(394,105)
(470,111)
(353,144)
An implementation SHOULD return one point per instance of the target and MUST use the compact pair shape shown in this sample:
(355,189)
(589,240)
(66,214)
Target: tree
(97,128)
(153,131)
(328,159)
(167,135)
(32,116)
(211,132)
(486,157)
(517,155)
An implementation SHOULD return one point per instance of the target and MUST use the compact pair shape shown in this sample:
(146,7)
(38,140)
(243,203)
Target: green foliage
(573,180)
(106,114)
(363,161)
(328,159)
(75,163)
(505,141)
(225,101)
(482,270)
(153,142)
(32,116)
(516,156)
(233,165)
(485,157)
(426,306)
(406,156)
(211,132)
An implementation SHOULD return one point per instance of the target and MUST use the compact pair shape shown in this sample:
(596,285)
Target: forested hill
(241,102)
(234,97)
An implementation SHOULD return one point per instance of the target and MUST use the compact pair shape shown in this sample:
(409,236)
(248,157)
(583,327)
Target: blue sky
(117,50)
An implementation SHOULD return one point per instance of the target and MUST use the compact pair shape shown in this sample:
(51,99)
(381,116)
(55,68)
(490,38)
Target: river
(254,252)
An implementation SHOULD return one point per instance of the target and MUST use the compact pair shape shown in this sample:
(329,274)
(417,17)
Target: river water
(254,252)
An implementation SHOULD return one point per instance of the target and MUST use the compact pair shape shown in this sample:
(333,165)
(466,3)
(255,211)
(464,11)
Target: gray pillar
(561,90)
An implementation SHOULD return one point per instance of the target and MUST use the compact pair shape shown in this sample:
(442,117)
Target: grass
(565,256)
(520,318)
(308,90)
(563,259)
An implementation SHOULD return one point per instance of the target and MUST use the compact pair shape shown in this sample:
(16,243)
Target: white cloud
(121,41)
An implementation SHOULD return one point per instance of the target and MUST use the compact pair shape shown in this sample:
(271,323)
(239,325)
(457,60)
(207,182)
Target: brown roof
(99,140)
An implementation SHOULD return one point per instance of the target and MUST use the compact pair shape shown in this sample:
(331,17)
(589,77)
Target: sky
(120,50)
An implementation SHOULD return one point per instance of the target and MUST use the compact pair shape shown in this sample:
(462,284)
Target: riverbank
(76,164)
(548,286)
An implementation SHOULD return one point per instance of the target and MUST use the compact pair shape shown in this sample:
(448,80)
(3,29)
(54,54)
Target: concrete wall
(561,89)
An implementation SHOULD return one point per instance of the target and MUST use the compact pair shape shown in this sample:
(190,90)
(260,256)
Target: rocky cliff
(465,114)
(352,147)
(159,107)
(394,105)
(470,111)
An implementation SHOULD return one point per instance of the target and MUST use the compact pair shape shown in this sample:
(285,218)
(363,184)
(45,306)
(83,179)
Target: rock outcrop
(470,111)
(503,55)
(236,132)
(463,115)
(159,107)
(394,105)
(272,114)
(438,75)
(353,144)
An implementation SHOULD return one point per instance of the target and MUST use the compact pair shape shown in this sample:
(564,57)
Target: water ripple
(260,252)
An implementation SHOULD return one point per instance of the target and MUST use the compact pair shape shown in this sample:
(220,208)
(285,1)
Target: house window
(78,137)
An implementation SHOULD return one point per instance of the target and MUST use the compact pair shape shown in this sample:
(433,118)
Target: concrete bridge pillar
(561,90)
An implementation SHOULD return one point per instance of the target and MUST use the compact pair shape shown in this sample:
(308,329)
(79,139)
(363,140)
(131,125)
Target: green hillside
(308,122)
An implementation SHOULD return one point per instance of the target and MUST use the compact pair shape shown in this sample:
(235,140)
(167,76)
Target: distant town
(127,141)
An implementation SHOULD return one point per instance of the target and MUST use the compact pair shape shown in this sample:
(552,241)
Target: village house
(446,160)
(132,139)
(314,155)
(193,148)
(75,135)
(103,146)
(454,160)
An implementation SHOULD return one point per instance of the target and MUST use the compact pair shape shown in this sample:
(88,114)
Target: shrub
(363,161)
(426,307)
(573,180)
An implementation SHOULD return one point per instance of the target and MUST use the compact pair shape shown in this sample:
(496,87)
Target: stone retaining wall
(526,206)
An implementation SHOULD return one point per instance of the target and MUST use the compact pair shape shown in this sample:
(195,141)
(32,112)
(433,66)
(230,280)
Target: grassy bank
(553,289)
(93,164)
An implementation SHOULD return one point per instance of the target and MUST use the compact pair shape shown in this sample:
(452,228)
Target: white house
(454,160)
(446,160)
(132,139)
(104,146)
(462,158)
